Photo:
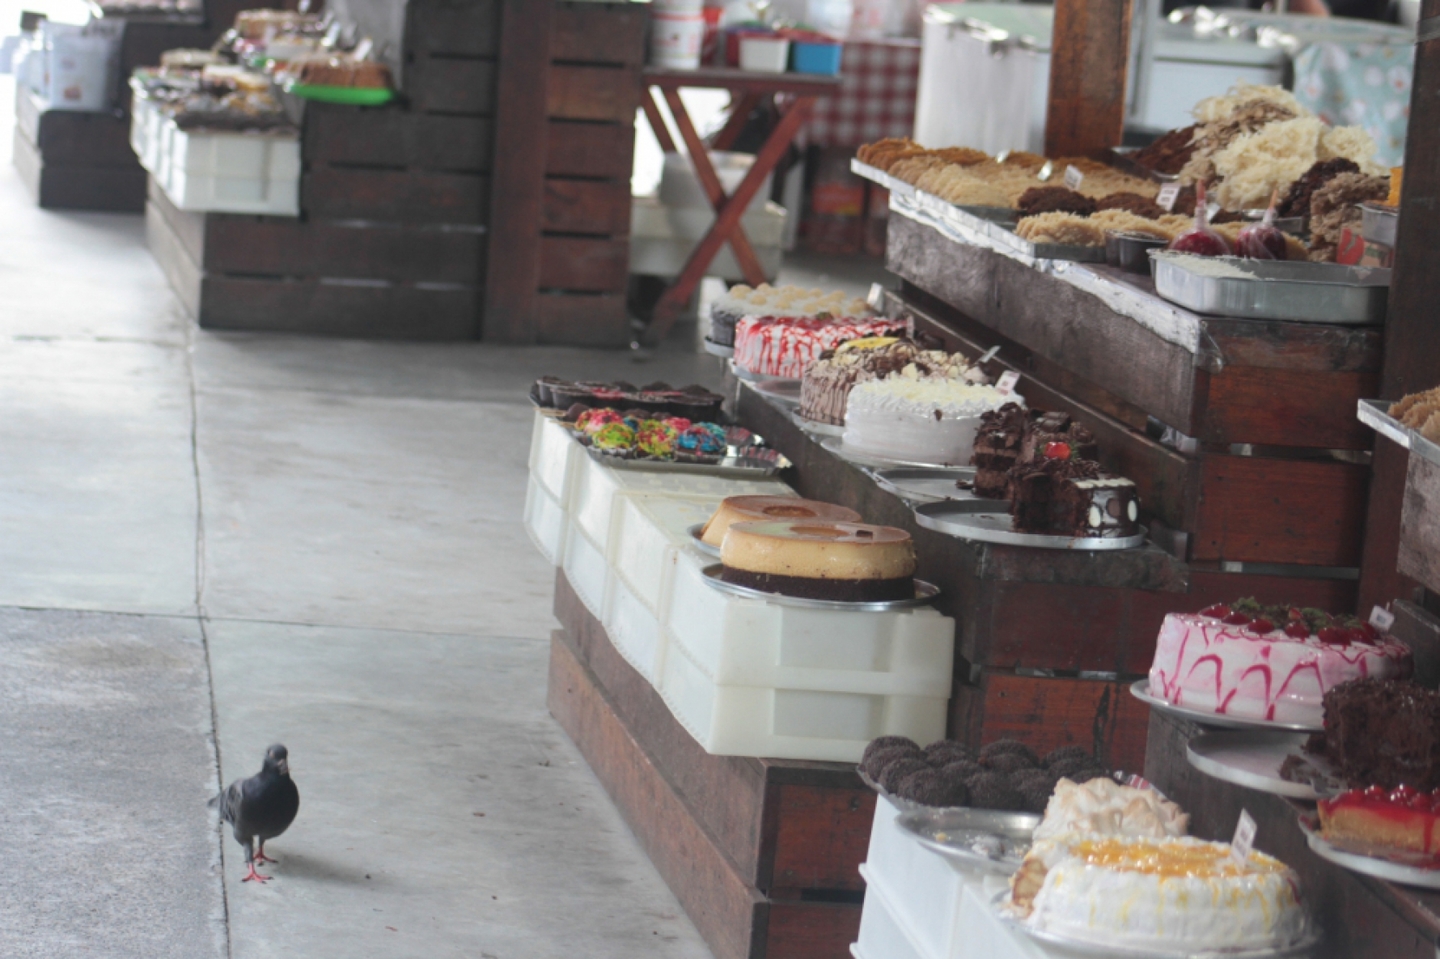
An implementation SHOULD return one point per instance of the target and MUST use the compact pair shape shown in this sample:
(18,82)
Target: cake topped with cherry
(1246,660)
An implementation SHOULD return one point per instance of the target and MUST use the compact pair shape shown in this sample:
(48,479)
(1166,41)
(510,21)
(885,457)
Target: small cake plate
(732,467)
(1113,950)
(924,593)
(1141,691)
(815,426)
(699,543)
(715,349)
(988,521)
(1394,866)
(784,392)
(987,839)
(1252,758)
(836,445)
(741,373)
(926,485)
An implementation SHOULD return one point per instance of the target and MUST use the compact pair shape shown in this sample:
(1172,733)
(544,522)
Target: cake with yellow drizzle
(1165,895)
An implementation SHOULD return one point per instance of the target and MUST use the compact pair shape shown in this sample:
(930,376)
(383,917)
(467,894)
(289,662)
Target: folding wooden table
(793,94)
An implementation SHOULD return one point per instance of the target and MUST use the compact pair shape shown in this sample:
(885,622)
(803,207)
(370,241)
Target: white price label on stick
(1169,193)
(1007,381)
(1073,178)
(1382,619)
(1244,839)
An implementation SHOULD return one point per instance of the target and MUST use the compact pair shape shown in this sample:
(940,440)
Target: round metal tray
(1394,870)
(836,445)
(715,349)
(699,543)
(743,374)
(1112,950)
(988,521)
(785,392)
(927,485)
(924,593)
(815,427)
(1252,758)
(1141,691)
(987,839)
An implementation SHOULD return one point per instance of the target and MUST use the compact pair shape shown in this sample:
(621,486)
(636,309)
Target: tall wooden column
(1412,326)
(1089,60)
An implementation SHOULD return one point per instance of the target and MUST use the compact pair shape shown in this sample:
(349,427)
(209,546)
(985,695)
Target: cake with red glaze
(1403,818)
(785,347)
(1272,663)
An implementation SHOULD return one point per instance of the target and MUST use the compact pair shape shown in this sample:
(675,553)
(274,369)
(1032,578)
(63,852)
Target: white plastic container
(79,72)
(584,565)
(750,642)
(554,456)
(882,933)
(231,172)
(545,521)
(764,54)
(634,629)
(676,38)
(680,186)
(648,534)
(671,7)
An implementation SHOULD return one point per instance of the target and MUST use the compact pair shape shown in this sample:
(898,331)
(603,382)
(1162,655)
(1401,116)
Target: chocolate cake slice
(1384,733)
(997,449)
(1047,428)
(1073,497)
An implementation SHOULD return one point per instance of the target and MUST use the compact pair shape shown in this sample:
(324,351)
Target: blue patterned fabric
(1363,84)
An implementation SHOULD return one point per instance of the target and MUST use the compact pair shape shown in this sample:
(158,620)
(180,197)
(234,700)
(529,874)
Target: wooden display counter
(763,854)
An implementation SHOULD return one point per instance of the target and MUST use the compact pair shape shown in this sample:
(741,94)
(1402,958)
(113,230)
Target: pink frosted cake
(1267,662)
(784,347)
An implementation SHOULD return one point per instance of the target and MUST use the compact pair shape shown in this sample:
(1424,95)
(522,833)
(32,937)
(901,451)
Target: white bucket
(675,40)
(674,7)
(764,54)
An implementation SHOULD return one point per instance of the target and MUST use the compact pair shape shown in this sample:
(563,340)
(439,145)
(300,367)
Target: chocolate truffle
(963,769)
(1083,776)
(1009,763)
(995,791)
(1012,746)
(943,752)
(1066,752)
(901,745)
(1070,765)
(897,770)
(1035,787)
(932,787)
(876,760)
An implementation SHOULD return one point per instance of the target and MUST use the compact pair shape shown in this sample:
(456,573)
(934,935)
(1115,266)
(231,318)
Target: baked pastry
(787,301)
(1272,663)
(785,347)
(1138,894)
(1103,807)
(825,390)
(1382,733)
(1054,199)
(1420,411)
(918,420)
(753,509)
(1403,818)
(340,71)
(1058,494)
(818,560)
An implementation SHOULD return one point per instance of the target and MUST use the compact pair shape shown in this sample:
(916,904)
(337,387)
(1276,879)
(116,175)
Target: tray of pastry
(1273,289)
(989,521)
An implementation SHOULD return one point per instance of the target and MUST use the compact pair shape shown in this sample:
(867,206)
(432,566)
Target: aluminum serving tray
(1391,865)
(924,593)
(783,392)
(735,466)
(715,349)
(1252,758)
(1123,159)
(1141,691)
(1274,289)
(1376,415)
(987,839)
(925,485)
(815,427)
(836,445)
(741,373)
(988,521)
(700,544)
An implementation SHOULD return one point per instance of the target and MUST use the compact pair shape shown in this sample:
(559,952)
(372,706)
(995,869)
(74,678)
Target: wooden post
(1412,325)
(1089,61)
(518,179)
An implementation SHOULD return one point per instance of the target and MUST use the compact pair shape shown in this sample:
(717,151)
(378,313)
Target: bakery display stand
(74,160)
(398,203)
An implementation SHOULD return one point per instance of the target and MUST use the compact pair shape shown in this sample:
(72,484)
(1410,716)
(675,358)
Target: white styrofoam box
(648,532)
(224,172)
(751,642)
(662,238)
(882,934)
(634,629)
(788,723)
(680,184)
(545,521)
(585,568)
(553,455)
(592,501)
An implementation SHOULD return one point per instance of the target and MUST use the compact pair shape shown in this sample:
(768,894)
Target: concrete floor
(213,542)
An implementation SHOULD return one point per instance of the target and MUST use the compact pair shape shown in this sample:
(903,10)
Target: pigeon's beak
(284,767)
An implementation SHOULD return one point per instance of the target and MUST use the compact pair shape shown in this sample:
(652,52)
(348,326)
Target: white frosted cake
(919,420)
(1103,807)
(1254,663)
(1165,895)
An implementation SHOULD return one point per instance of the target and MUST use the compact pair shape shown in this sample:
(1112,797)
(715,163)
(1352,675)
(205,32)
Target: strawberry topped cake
(1274,663)
(785,347)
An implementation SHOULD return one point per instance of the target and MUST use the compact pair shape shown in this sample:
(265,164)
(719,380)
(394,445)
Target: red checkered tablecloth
(879,81)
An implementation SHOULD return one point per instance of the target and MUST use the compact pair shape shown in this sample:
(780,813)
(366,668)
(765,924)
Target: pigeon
(261,807)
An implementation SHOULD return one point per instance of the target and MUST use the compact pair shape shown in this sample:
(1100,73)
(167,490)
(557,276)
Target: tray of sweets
(1273,289)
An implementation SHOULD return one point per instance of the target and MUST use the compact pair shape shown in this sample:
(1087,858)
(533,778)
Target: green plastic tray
(354,96)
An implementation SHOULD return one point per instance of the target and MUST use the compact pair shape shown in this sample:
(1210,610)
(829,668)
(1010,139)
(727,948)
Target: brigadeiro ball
(943,752)
(995,791)
(897,770)
(929,787)
(1066,752)
(1007,747)
(1009,763)
(963,769)
(1083,776)
(885,750)
(1071,765)
(1035,787)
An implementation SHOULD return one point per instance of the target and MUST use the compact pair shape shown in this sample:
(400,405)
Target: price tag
(362,50)
(876,299)
(1006,384)
(1244,839)
(1169,193)
(1073,178)
(1382,619)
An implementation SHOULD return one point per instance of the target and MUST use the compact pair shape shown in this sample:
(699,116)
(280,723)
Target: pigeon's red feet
(252,874)
(262,858)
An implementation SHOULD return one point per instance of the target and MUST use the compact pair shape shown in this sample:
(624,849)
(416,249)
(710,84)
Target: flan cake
(784,347)
(1383,733)
(1272,663)
(916,420)
(817,560)
(1403,819)
(755,509)
(1171,895)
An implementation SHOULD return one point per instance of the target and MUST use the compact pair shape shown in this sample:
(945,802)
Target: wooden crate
(76,161)
(562,183)
(763,854)
(1303,508)
(1360,916)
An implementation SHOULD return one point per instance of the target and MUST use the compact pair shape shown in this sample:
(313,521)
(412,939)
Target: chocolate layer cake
(997,449)
(1073,497)
(1382,733)
(1047,428)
